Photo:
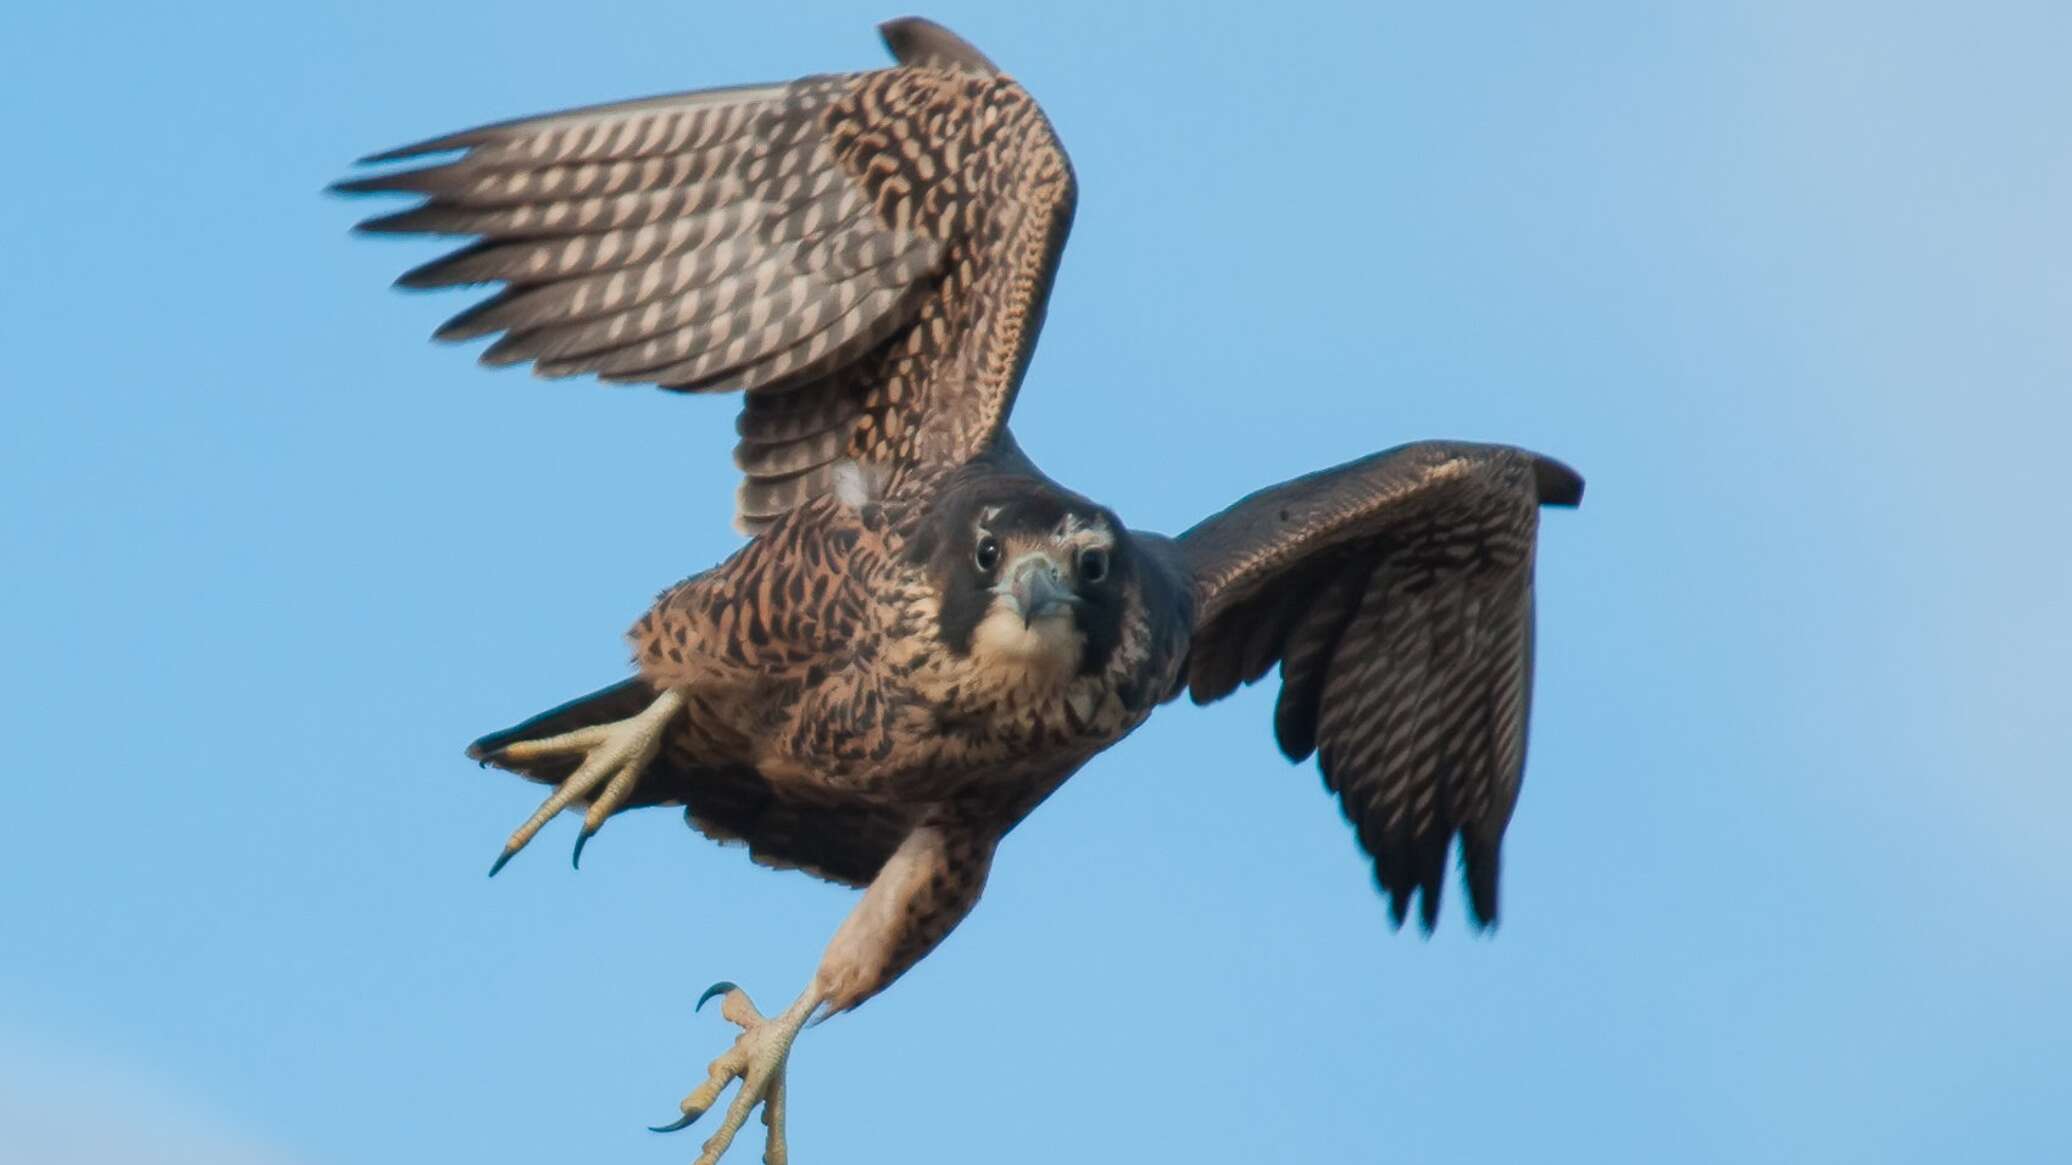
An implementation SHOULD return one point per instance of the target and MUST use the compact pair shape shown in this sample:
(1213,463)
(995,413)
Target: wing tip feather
(416,180)
(918,41)
(354,187)
(1557,484)
(1482,861)
(443,144)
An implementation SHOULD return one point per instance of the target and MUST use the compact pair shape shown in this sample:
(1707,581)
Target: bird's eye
(1093,565)
(987,556)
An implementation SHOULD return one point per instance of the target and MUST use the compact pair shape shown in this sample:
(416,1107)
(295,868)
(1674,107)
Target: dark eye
(987,556)
(1093,565)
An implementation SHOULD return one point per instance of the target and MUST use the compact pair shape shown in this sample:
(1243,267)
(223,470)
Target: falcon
(925,635)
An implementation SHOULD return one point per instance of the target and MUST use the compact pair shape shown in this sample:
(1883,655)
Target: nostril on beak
(1039,588)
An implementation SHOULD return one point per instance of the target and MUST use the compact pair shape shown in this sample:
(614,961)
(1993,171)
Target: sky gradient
(1788,882)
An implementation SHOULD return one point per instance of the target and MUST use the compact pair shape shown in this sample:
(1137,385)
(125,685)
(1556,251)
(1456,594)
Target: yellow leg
(614,755)
(757,1059)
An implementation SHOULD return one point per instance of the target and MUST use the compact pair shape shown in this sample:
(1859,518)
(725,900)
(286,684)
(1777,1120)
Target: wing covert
(1396,594)
(866,256)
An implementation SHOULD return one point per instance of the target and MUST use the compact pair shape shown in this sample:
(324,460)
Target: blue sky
(1788,282)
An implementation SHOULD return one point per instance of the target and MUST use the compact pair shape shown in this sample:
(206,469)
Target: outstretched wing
(1396,594)
(867,256)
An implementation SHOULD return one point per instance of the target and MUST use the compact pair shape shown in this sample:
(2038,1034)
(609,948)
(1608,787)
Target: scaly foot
(614,755)
(757,1059)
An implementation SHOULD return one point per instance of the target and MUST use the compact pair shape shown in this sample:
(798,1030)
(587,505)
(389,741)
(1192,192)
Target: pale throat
(1012,653)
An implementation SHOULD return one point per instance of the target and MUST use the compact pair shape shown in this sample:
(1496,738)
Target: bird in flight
(925,635)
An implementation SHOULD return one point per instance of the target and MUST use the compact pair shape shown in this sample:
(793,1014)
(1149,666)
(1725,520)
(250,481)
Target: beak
(1039,588)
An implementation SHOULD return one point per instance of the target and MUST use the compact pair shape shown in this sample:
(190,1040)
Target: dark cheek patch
(1100,621)
(964,606)
(1100,617)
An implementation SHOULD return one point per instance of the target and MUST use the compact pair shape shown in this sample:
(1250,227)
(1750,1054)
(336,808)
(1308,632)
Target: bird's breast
(919,721)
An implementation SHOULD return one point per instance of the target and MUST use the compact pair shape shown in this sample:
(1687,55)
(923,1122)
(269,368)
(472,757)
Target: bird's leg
(613,757)
(927,887)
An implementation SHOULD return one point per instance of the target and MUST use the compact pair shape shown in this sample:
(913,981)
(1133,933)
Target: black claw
(582,839)
(719,988)
(679,1124)
(506,856)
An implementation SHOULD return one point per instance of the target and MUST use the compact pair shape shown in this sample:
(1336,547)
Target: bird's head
(1029,578)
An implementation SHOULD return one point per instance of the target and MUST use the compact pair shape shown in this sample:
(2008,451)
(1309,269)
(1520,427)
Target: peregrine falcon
(925,635)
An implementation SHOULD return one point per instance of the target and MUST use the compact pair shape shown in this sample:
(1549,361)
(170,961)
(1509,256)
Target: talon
(679,1124)
(575,859)
(501,858)
(756,1059)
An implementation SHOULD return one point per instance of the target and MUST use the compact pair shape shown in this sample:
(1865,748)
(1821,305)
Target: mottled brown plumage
(822,245)
(1396,594)
(927,636)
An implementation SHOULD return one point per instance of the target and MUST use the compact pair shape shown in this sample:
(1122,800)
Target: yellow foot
(614,755)
(757,1059)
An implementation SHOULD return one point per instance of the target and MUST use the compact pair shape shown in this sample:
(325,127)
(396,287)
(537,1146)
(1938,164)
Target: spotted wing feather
(1396,594)
(871,250)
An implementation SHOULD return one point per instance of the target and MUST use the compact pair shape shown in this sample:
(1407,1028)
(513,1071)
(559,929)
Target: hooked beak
(1039,588)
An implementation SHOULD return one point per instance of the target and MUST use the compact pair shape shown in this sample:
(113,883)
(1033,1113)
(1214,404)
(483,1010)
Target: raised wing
(1396,594)
(866,255)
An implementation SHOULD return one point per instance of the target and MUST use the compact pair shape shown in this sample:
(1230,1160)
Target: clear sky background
(1789,881)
